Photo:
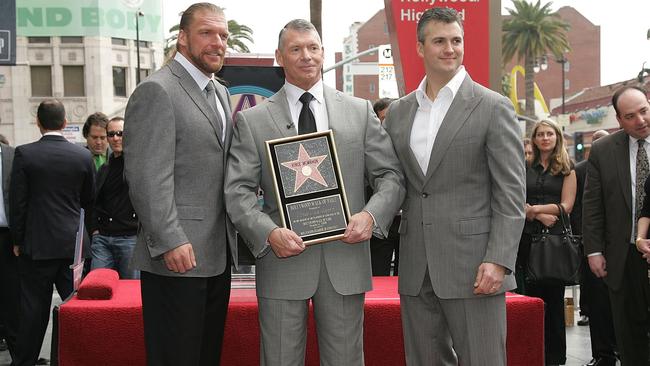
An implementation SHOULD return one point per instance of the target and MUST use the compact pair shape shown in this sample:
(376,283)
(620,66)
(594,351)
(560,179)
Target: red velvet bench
(109,332)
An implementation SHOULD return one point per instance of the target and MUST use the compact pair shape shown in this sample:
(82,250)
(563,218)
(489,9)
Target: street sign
(8,32)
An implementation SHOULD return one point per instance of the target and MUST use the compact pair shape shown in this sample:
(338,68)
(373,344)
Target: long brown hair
(559,161)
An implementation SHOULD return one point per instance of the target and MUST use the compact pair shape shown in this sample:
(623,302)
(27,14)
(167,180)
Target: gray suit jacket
(469,208)
(7,162)
(174,165)
(607,204)
(364,151)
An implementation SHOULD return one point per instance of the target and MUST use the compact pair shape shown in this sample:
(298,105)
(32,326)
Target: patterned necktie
(642,170)
(306,120)
(211,96)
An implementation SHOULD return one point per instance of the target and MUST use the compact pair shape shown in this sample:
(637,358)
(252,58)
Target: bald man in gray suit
(334,275)
(462,156)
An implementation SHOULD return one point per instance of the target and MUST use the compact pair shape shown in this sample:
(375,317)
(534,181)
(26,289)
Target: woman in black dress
(550,180)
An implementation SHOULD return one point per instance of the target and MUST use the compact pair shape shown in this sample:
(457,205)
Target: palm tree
(238,34)
(531,31)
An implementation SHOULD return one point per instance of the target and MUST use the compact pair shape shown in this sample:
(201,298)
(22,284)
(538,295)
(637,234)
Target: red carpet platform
(95,332)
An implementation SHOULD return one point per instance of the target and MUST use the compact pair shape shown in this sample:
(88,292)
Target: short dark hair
(115,119)
(187,16)
(381,104)
(443,15)
(95,119)
(622,90)
(51,114)
(299,25)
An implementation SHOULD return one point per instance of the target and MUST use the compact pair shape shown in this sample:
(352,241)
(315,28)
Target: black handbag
(555,258)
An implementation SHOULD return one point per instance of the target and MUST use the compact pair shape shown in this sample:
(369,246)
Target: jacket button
(425,195)
(110,219)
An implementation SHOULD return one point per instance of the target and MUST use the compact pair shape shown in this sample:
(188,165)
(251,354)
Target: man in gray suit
(177,134)
(462,156)
(334,275)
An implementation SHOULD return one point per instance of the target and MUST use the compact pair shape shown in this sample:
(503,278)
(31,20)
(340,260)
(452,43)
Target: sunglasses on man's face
(114,133)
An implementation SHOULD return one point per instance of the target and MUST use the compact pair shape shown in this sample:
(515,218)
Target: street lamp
(563,60)
(138,14)
(541,64)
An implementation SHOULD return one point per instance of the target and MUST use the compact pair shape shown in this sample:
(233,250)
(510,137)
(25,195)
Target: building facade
(83,53)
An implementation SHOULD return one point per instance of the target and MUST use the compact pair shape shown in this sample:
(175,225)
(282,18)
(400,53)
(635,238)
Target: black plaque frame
(323,195)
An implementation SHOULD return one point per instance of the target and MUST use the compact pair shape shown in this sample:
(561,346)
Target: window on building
(371,87)
(71,39)
(567,84)
(73,81)
(567,66)
(118,41)
(144,73)
(38,39)
(144,44)
(119,81)
(41,81)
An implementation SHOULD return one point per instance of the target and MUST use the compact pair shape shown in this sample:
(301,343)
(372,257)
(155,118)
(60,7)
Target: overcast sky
(623,26)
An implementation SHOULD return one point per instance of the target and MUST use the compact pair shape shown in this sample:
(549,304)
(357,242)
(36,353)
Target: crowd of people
(438,180)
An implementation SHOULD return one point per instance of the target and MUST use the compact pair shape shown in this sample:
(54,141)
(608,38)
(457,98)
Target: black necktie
(642,170)
(212,101)
(306,120)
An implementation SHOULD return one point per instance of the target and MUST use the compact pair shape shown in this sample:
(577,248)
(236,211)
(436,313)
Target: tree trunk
(315,13)
(529,82)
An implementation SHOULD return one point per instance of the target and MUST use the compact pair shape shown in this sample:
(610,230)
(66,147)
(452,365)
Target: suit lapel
(224,99)
(6,172)
(189,85)
(622,156)
(410,109)
(278,107)
(458,113)
(335,110)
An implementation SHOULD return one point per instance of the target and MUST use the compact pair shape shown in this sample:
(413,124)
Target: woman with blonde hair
(550,180)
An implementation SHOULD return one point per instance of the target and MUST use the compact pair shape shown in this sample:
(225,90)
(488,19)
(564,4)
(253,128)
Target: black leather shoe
(3,345)
(584,320)
(601,362)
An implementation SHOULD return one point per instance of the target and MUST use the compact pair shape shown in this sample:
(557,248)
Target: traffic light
(578,146)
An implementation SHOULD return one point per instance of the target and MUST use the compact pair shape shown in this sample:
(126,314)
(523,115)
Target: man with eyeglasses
(113,223)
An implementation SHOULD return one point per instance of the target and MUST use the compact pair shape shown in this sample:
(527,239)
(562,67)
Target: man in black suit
(616,172)
(594,298)
(52,179)
(9,290)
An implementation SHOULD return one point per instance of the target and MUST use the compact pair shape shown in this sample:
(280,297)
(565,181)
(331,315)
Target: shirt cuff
(594,254)
(376,230)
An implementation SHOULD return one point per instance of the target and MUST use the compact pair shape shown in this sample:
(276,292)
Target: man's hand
(359,228)
(547,219)
(180,259)
(489,279)
(16,250)
(285,243)
(598,265)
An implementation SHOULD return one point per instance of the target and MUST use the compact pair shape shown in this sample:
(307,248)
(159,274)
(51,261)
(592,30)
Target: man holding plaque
(460,147)
(335,275)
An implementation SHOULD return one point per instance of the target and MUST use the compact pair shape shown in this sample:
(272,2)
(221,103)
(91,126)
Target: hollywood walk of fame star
(306,167)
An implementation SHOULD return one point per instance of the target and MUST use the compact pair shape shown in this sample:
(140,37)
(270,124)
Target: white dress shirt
(202,82)
(317,104)
(429,116)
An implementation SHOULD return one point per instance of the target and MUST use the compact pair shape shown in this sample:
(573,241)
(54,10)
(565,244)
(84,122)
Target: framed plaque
(308,186)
